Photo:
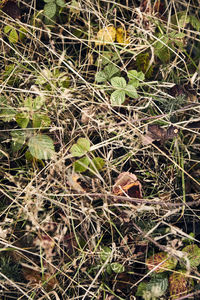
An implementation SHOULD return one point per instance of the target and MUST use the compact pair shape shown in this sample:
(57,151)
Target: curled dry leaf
(128,184)
(157,133)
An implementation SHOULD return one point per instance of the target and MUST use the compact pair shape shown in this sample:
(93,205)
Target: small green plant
(40,145)
(88,161)
(105,255)
(122,88)
(14,34)
(51,7)
(52,80)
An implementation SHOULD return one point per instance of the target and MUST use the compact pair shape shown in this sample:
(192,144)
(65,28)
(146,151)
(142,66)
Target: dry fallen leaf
(127,184)
(105,36)
(157,133)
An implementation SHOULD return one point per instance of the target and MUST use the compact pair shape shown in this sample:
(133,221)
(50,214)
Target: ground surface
(100,163)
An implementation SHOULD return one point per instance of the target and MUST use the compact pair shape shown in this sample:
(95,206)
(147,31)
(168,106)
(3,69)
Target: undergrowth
(99,170)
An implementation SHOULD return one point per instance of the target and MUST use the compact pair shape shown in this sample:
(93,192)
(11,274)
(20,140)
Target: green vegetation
(99,153)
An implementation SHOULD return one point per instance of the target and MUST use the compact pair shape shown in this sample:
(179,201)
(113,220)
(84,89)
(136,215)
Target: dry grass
(55,224)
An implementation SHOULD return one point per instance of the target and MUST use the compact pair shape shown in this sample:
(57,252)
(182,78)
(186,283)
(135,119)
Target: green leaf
(7,28)
(96,164)
(105,253)
(133,74)
(117,268)
(49,1)
(81,165)
(157,287)
(13,36)
(50,9)
(40,120)
(195,22)
(131,91)
(163,54)
(141,289)
(41,146)
(117,97)
(108,72)
(60,3)
(22,119)
(7,114)
(80,148)
(118,82)
(193,254)
(100,77)
(18,139)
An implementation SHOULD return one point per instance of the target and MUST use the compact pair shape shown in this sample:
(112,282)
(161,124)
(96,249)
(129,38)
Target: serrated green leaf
(157,287)
(80,148)
(105,253)
(60,3)
(41,146)
(40,120)
(117,97)
(131,91)
(118,82)
(22,119)
(13,36)
(117,268)
(96,164)
(133,74)
(108,72)
(100,77)
(81,165)
(49,1)
(50,9)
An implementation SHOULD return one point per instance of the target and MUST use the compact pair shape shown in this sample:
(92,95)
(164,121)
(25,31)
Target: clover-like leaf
(41,146)
(117,97)
(81,147)
(81,165)
(131,91)
(96,164)
(118,82)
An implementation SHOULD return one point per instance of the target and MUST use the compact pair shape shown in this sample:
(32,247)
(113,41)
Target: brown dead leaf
(157,133)
(35,278)
(127,184)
